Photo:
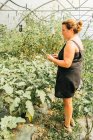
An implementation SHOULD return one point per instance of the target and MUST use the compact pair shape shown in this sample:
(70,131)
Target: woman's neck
(72,37)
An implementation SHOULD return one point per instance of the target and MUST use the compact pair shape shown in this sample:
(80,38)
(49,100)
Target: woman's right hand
(55,56)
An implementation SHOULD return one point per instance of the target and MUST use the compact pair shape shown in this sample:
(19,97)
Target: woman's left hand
(50,57)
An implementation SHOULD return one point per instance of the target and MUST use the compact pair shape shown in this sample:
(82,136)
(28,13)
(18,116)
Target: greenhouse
(46,58)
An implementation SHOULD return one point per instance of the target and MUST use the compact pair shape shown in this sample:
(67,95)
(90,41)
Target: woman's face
(67,34)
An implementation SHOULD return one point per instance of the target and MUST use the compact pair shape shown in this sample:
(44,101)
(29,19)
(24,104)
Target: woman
(69,68)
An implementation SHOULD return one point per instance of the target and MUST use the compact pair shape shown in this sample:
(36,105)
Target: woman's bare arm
(69,52)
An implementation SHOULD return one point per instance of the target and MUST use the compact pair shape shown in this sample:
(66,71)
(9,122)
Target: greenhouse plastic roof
(12,11)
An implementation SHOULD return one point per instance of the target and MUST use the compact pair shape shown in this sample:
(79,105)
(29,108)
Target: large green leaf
(10,122)
(27,94)
(14,104)
(42,95)
(30,107)
(8,89)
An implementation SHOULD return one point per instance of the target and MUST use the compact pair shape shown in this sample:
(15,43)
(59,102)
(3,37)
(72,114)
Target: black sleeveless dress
(68,79)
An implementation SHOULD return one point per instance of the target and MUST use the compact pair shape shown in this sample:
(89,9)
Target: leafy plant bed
(27,93)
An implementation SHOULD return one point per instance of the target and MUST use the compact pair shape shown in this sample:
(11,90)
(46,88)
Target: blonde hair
(73,24)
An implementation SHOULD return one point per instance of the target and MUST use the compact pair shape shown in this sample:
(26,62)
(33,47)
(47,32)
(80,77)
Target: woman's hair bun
(79,25)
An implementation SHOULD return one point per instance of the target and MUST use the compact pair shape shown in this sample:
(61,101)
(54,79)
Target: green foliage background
(27,79)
